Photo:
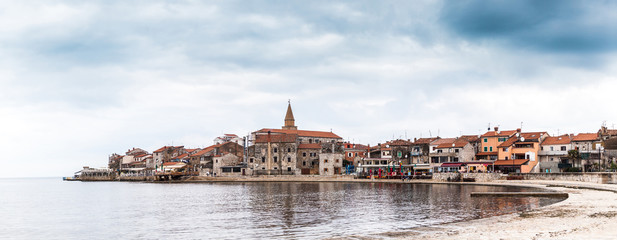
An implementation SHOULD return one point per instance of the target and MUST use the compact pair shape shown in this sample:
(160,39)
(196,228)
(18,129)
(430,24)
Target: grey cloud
(546,26)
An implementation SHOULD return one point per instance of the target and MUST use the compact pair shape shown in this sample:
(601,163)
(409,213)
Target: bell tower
(290,122)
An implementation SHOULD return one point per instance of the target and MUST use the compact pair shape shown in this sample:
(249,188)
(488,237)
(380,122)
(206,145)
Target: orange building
(519,153)
(490,141)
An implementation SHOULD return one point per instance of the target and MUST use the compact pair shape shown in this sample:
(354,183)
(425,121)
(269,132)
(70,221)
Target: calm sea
(52,209)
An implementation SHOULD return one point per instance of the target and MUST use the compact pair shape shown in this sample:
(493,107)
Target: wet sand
(586,214)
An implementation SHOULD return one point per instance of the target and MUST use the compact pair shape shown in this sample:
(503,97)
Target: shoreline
(589,212)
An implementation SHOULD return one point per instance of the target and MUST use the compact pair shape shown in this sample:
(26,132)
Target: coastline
(589,212)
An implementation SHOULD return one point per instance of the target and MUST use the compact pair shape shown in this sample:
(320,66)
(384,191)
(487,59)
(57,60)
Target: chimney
(496,129)
(518,130)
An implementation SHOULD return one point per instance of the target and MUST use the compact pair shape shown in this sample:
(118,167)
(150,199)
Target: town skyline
(78,84)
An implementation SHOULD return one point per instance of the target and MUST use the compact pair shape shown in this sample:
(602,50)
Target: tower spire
(290,122)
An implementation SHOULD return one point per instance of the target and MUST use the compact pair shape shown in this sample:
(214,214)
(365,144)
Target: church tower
(290,122)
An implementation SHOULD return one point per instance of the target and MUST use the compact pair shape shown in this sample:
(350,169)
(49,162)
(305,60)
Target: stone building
(289,151)
(401,150)
(420,149)
(553,153)
(204,160)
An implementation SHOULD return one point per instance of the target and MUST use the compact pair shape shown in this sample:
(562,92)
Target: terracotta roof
(443,141)
(458,143)
(560,140)
(231,135)
(516,162)
(486,154)
(276,138)
(499,133)
(585,137)
(166,147)
(508,142)
(356,146)
(399,142)
(301,133)
(183,155)
(471,138)
(309,146)
(172,163)
(425,140)
(527,136)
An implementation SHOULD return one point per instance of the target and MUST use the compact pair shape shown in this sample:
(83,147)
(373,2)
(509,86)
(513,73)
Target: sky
(80,80)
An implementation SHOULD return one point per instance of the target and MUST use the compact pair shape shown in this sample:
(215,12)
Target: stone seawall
(601,178)
(277,178)
(478,177)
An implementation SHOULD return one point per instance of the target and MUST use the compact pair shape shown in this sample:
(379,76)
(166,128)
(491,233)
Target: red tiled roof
(301,133)
(471,138)
(425,140)
(560,140)
(527,136)
(183,155)
(585,137)
(458,143)
(399,142)
(508,142)
(172,163)
(309,146)
(287,138)
(166,147)
(515,162)
(499,133)
(443,141)
(486,154)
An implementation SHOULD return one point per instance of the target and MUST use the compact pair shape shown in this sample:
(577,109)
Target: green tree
(575,156)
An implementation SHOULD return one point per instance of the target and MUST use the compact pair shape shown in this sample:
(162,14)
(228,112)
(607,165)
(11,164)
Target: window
(505,149)
(304,154)
(399,154)
(485,139)
(275,168)
(304,163)
(276,150)
(541,148)
(289,169)
(356,154)
(325,169)
(325,160)
(506,158)
(217,161)
(551,148)
(563,148)
(491,149)
(310,140)
(288,149)
(275,159)
(349,154)
(251,160)
(263,159)
(439,151)
(485,149)
(456,150)
(337,160)
(288,159)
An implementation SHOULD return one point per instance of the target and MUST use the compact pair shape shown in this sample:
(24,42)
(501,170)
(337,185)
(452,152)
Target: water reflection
(112,210)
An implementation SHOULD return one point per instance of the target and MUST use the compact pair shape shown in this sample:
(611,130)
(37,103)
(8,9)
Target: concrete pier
(520,194)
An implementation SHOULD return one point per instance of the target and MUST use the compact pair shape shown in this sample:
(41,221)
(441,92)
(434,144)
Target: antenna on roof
(489,127)
(521,125)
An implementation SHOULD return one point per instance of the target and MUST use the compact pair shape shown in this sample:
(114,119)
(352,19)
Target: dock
(520,194)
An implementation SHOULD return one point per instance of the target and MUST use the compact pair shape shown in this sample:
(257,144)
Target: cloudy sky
(80,80)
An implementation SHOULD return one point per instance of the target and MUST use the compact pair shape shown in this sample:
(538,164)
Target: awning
(451,164)
(515,162)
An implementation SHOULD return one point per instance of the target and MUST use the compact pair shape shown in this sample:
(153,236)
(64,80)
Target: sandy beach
(589,213)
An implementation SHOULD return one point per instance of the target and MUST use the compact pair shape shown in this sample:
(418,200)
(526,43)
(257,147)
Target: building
(589,146)
(519,153)
(228,138)
(205,163)
(289,151)
(354,152)
(420,149)
(553,154)
(490,141)
(165,154)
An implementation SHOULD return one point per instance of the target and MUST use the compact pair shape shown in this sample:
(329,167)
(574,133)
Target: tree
(575,156)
